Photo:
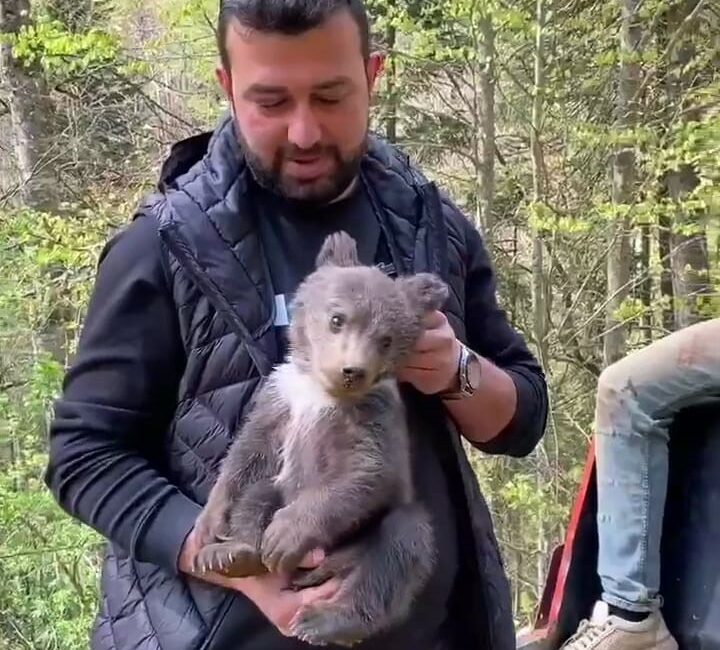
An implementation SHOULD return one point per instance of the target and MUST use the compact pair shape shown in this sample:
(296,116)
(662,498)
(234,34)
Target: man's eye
(329,100)
(271,104)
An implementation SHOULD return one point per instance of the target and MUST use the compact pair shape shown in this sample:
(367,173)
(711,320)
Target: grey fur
(333,473)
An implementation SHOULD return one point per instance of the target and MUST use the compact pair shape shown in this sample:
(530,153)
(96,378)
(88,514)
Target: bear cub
(322,459)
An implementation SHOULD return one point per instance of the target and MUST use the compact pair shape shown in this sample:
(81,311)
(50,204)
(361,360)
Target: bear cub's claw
(326,624)
(234,559)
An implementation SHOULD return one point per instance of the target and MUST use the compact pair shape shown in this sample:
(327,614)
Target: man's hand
(278,601)
(433,368)
(272,593)
(433,365)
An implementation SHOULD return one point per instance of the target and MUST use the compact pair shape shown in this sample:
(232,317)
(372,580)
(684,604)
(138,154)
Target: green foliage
(62,53)
(542,218)
(189,42)
(127,78)
(48,562)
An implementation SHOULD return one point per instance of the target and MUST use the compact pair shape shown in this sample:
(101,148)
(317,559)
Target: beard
(317,192)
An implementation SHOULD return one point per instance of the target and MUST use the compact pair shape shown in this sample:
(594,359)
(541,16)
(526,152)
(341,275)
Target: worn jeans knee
(637,399)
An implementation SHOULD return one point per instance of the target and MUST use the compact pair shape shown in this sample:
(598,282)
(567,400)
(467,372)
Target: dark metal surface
(690,545)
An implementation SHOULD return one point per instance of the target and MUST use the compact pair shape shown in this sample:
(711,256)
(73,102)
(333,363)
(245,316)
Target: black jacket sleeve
(118,397)
(491,335)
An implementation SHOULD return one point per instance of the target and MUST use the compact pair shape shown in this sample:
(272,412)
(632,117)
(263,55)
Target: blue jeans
(637,398)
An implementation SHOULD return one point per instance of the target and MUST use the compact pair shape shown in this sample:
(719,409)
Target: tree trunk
(31,115)
(486,137)
(391,86)
(539,296)
(690,262)
(646,286)
(623,191)
(517,595)
(689,244)
(665,222)
(667,291)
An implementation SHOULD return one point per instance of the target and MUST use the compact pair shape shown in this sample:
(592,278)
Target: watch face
(473,371)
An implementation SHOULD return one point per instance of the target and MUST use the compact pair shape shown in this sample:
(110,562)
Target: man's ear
(338,249)
(224,79)
(425,291)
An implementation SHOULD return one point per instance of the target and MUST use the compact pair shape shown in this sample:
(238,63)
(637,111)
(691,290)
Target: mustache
(292,151)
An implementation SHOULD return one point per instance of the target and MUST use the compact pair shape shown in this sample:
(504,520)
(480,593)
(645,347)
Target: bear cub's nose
(352,373)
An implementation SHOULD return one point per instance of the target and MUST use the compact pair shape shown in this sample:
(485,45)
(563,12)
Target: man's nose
(304,130)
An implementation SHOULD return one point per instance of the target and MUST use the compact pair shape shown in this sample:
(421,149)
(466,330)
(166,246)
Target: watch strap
(462,388)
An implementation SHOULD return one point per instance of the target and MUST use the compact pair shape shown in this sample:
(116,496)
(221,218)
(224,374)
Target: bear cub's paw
(286,542)
(234,559)
(323,624)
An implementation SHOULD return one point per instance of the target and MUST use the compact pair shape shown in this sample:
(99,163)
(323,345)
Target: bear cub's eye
(385,342)
(336,322)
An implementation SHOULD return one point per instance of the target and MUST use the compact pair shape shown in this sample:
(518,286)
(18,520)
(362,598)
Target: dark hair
(287,17)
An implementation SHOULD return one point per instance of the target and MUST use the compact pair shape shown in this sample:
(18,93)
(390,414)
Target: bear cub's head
(352,325)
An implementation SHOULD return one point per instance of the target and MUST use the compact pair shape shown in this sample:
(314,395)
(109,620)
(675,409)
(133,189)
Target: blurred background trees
(581,137)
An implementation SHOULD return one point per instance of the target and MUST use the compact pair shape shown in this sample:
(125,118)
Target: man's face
(301,105)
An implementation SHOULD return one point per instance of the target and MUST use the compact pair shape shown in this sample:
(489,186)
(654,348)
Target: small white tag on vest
(281,311)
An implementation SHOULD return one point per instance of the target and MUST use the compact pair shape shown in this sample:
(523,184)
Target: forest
(581,137)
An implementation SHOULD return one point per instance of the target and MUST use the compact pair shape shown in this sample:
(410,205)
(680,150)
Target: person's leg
(637,399)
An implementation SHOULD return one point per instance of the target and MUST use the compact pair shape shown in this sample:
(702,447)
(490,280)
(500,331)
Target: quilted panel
(131,621)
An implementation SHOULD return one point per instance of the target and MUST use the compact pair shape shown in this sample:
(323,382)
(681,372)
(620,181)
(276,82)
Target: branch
(210,23)
(41,551)
(453,81)
(63,567)
(671,43)
(9,386)
(20,635)
(138,89)
(579,362)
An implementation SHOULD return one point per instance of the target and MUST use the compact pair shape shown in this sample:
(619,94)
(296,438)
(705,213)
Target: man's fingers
(434,320)
(311,595)
(313,559)
(428,360)
(419,373)
(435,340)
(324,591)
(429,342)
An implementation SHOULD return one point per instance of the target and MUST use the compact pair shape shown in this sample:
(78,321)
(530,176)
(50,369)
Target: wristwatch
(468,375)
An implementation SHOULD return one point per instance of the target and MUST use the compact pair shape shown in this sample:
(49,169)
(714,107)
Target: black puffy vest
(224,298)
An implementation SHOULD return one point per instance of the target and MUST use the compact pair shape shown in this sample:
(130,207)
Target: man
(637,400)
(189,312)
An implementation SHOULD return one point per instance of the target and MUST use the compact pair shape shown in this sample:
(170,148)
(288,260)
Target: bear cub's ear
(338,249)
(426,291)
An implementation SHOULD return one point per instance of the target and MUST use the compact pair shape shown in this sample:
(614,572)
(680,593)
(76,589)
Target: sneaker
(606,632)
